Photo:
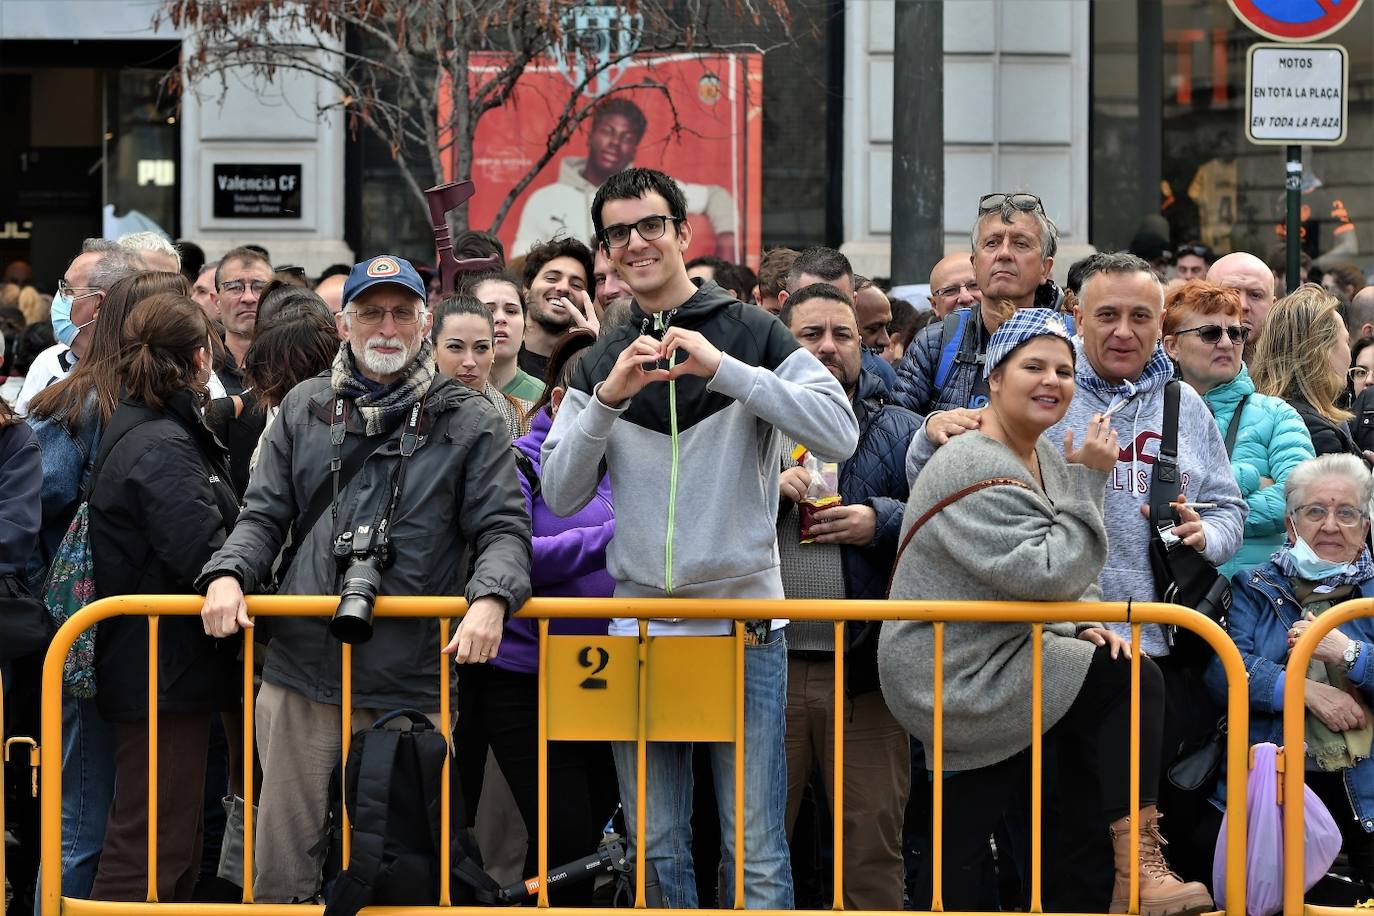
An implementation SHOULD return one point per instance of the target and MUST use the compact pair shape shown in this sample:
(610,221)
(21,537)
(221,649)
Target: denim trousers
(668,806)
(88,777)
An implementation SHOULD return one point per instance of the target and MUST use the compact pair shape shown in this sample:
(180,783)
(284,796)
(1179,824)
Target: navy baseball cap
(384,268)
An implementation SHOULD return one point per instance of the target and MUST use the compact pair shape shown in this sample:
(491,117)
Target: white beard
(386,363)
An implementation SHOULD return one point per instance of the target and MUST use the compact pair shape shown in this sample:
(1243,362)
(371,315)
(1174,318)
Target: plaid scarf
(1158,370)
(382,409)
(1356,573)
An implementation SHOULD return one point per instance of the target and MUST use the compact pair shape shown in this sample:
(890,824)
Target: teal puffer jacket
(1272,441)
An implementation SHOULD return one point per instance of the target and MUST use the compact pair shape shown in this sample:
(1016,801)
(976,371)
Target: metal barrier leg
(249,736)
(542,777)
(445,789)
(1037,762)
(837,806)
(641,762)
(1133,902)
(937,795)
(740,851)
(153,696)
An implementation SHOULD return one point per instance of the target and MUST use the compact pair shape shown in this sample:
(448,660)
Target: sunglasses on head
(1027,202)
(1211,333)
(1197,251)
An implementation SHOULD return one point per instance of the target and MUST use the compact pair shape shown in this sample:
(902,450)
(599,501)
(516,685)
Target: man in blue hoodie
(685,406)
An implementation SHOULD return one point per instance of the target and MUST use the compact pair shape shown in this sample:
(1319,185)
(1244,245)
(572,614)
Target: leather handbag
(1197,767)
(1182,575)
(25,627)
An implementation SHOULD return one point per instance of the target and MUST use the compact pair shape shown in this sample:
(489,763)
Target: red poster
(714,153)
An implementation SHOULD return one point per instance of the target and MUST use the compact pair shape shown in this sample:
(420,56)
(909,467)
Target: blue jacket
(1272,440)
(915,389)
(874,363)
(875,475)
(1263,609)
(21,476)
(67,463)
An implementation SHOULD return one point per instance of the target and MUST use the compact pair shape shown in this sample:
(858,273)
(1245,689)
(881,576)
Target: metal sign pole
(1293,190)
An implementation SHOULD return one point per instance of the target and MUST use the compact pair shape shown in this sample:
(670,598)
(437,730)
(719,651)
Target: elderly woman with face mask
(1325,561)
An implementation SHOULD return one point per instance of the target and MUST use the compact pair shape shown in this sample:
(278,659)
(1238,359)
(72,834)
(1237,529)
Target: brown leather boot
(1162,893)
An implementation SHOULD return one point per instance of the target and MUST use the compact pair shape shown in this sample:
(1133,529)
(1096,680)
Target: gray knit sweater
(1003,543)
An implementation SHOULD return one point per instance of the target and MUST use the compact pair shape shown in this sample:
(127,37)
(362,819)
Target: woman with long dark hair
(160,505)
(68,418)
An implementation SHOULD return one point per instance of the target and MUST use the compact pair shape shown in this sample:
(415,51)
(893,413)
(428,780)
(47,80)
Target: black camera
(362,554)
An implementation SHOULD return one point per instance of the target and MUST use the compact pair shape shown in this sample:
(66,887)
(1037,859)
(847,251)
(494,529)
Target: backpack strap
(952,335)
(943,504)
(1233,429)
(356,885)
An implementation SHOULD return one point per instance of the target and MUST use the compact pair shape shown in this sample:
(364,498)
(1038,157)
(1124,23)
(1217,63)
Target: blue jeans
(668,808)
(88,768)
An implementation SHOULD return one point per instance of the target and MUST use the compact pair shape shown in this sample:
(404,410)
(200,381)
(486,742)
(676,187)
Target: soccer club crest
(597,40)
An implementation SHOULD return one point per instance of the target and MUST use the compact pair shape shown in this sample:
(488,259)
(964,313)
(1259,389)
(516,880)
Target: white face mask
(1312,567)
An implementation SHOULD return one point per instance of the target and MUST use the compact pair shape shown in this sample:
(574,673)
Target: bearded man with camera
(380,477)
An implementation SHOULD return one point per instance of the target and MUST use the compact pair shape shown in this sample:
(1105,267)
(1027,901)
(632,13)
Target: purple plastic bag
(1264,840)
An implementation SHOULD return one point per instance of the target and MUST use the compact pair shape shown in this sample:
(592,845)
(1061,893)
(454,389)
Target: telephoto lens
(352,621)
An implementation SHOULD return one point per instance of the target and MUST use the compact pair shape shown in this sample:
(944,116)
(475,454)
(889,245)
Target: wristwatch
(1351,654)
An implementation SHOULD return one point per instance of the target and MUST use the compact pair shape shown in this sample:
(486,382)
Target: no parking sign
(1295,20)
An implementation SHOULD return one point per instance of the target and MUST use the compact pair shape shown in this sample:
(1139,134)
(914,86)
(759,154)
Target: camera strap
(410,439)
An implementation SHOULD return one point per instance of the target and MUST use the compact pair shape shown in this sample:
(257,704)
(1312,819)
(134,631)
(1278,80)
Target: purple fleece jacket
(569,559)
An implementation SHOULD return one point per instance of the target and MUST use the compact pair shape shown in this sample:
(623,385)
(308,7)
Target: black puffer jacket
(915,389)
(160,505)
(460,508)
(875,475)
(1328,436)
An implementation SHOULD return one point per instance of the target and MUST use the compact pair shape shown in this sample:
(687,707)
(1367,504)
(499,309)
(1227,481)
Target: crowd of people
(614,417)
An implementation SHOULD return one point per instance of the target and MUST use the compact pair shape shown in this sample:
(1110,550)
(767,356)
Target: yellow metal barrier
(631,702)
(1293,764)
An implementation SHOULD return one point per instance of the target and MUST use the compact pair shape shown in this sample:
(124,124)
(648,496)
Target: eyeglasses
(649,228)
(68,291)
(1211,333)
(1027,202)
(370,315)
(954,289)
(235,289)
(1346,516)
(1358,373)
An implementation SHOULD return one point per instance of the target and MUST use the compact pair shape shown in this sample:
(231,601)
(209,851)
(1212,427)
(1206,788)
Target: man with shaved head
(1255,281)
(1360,315)
(953,285)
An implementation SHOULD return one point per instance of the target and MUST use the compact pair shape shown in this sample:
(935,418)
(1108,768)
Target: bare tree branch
(410,61)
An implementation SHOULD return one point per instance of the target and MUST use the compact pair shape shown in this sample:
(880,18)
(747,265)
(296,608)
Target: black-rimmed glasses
(649,228)
(1211,333)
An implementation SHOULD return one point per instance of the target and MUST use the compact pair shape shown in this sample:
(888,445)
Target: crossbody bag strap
(1233,429)
(945,504)
(1165,480)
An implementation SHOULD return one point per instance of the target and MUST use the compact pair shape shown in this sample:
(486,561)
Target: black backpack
(392,789)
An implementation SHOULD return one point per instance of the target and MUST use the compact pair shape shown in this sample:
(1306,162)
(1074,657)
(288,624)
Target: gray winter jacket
(460,507)
(1003,543)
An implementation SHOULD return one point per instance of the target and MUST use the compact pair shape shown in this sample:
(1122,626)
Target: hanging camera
(362,555)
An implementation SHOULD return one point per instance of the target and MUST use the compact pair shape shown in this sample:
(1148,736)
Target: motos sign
(1296,94)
